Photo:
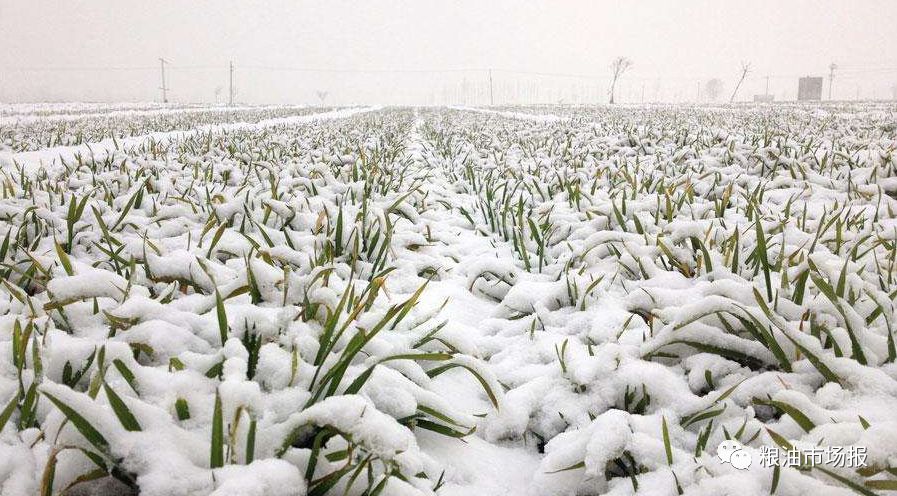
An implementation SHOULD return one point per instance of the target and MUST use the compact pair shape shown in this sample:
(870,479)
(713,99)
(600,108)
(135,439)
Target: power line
(174,67)
(489,83)
(355,71)
(168,64)
(550,74)
(78,69)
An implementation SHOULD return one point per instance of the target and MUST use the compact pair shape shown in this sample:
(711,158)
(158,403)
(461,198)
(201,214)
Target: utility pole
(643,92)
(230,99)
(831,78)
(766,92)
(163,88)
(491,98)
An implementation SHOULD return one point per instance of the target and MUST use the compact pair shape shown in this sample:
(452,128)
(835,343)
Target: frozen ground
(512,301)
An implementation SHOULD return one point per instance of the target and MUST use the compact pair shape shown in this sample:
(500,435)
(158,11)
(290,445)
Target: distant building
(763,98)
(809,89)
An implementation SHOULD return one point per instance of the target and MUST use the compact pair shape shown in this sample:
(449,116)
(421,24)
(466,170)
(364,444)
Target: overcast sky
(371,50)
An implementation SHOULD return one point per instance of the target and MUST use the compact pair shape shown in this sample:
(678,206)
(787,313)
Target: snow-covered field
(512,301)
(40,129)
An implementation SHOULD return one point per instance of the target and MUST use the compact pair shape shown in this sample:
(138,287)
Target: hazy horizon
(403,52)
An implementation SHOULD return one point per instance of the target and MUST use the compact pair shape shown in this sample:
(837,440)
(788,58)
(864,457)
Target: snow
(568,312)
(98,151)
(259,478)
(116,113)
(515,115)
(91,284)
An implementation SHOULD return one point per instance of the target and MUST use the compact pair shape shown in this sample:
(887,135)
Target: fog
(438,52)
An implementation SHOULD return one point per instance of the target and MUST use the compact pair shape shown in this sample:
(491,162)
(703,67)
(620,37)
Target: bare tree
(218,90)
(745,69)
(322,95)
(618,66)
(713,88)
